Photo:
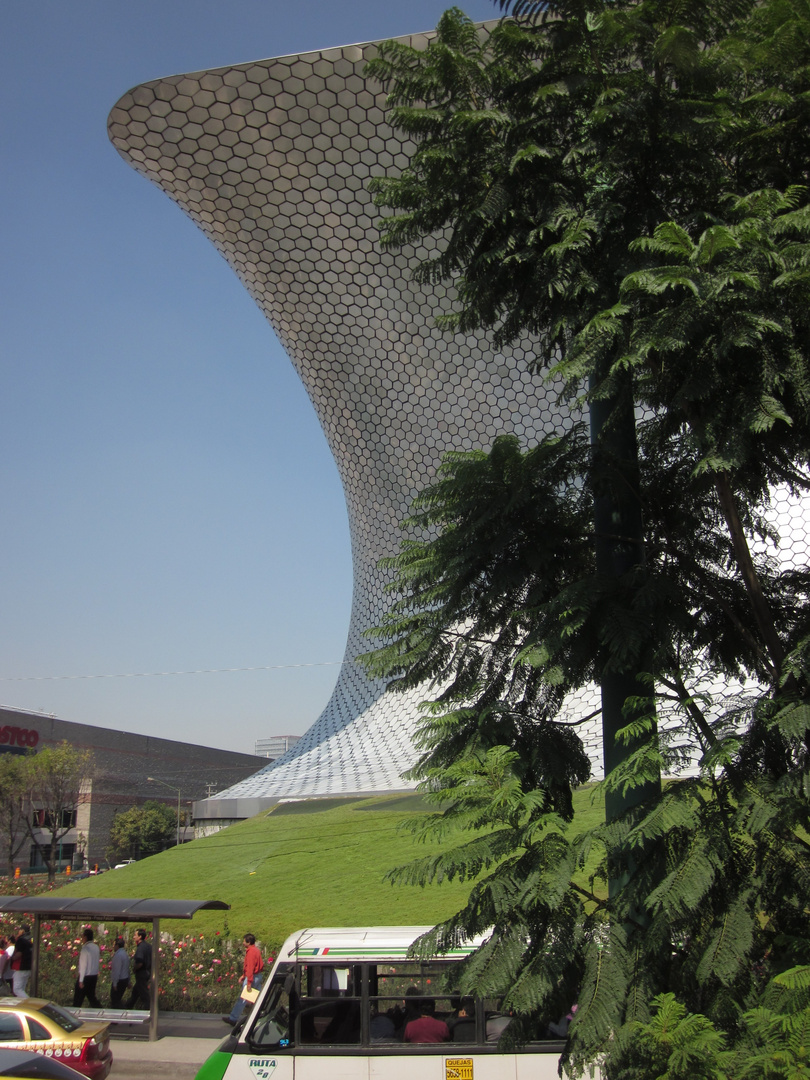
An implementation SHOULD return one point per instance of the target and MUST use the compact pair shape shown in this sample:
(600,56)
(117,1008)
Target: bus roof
(358,943)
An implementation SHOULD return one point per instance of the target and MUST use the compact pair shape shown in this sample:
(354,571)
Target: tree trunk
(619,542)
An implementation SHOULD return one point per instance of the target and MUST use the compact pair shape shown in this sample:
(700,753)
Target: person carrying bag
(251,979)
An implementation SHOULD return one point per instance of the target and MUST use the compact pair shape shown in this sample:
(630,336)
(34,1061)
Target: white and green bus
(351,1004)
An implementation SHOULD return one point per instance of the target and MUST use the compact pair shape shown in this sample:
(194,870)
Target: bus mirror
(289,983)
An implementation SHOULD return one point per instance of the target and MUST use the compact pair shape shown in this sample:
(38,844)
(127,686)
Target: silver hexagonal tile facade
(272,160)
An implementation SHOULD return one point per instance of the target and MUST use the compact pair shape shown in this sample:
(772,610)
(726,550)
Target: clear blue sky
(168,500)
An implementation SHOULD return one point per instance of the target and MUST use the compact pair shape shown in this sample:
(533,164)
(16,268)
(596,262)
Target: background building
(123,764)
(275,746)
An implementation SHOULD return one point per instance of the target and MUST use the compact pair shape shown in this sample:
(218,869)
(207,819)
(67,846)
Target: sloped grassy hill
(318,863)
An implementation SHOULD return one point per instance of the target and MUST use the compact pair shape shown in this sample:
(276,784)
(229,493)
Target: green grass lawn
(318,863)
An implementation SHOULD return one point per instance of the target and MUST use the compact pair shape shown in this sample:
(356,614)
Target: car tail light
(91,1051)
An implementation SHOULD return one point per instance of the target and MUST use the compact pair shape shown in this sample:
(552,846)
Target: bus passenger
(407,1011)
(381,1028)
(497,1025)
(426,1028)
(462,1022)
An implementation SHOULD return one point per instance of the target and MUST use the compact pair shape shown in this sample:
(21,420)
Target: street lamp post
(171,787)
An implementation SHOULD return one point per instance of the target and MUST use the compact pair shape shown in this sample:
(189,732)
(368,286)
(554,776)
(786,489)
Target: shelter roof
(96,907)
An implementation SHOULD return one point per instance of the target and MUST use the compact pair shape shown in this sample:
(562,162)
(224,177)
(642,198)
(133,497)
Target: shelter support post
(153,992)
(35,959)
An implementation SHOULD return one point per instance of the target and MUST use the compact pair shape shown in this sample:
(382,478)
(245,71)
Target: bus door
(265,1048)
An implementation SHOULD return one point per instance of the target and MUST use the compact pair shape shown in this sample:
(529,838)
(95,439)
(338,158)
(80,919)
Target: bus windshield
(271,1027)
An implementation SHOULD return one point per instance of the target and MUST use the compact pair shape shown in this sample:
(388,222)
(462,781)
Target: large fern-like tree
(621,180)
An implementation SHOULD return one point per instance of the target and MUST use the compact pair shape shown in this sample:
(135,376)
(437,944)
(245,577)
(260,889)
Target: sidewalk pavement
(171,1056)
(184,1042)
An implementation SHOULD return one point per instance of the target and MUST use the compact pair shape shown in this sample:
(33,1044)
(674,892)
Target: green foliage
(13,805)
(547,147)
(769,1041)
(54,780)
(672,1045)
(141,831)
(715,905)
(48,785)
(628,182)
(705,860)
(490,571)
(715,330)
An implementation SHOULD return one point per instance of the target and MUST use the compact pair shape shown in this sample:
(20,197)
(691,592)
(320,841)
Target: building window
(64,856)
(43,819)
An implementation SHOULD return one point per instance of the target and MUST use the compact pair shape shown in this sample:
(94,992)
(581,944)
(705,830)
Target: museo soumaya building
(272,161)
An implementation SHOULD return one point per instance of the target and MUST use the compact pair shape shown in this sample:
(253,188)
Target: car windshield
(66,1020)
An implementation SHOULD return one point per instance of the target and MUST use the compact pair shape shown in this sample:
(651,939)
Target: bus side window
(327,980)
(329,1012)
(401,991)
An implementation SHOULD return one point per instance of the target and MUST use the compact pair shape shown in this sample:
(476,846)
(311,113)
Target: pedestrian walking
(142,966)
(87,979)
(8,974)
(251,976)
(119,974)
(21,961)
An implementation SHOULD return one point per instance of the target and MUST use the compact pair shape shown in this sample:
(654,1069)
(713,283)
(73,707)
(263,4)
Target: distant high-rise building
(276,746)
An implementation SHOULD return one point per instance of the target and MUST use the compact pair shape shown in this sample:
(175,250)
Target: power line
(155,674)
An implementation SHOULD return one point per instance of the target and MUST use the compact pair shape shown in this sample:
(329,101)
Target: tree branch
(745,564)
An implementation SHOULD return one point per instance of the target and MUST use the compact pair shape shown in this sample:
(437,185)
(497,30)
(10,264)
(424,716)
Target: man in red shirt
(252,976)
(426,1028)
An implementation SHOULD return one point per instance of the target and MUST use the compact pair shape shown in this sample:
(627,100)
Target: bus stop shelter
(98,909)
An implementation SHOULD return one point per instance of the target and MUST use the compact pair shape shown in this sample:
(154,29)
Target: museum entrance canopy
(97,908)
